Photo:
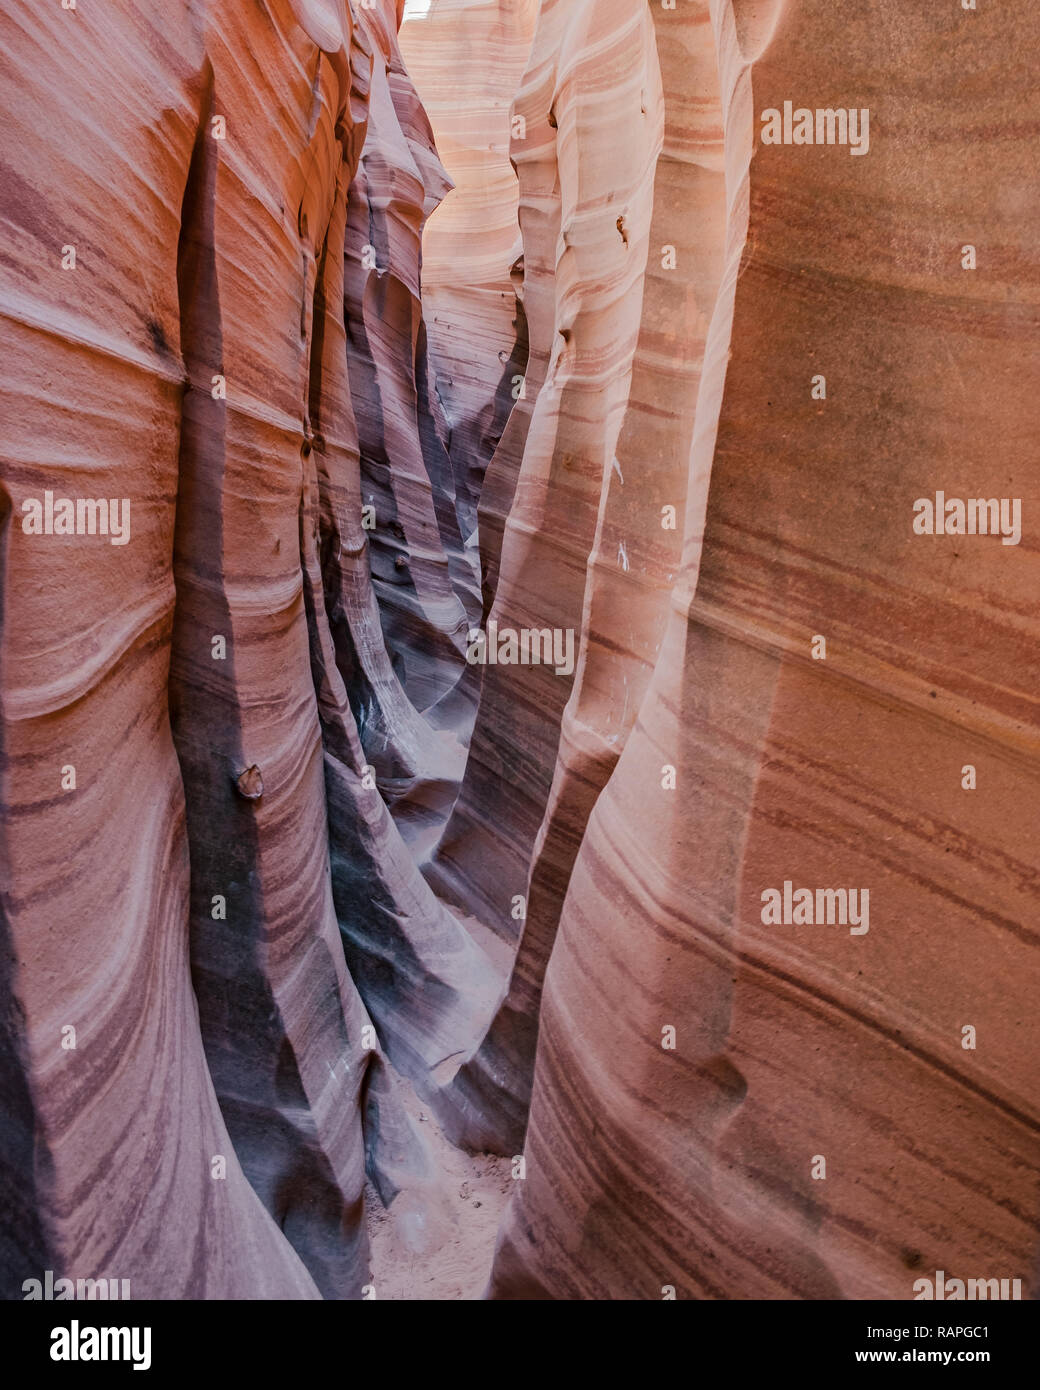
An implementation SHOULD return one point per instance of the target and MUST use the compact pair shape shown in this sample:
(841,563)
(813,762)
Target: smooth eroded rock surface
(334,360)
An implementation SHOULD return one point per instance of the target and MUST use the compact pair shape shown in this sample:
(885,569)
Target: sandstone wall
(271,839)
(692,1167)
(206,681)
(675,228)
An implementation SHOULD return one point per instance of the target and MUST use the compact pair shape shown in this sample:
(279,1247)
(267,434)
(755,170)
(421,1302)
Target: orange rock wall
(271,837)
(692,1166)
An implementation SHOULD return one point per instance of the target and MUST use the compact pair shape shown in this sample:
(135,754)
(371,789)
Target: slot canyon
(459,571)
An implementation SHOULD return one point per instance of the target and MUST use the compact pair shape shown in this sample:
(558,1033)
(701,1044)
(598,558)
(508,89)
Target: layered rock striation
(300,425)
(825,1120)
(195,721)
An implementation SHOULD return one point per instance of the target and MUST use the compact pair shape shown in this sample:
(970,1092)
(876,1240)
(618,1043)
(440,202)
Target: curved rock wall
(636,547)
(587,247)
(472,242)
(128,1128)
(274,838)
(697,1165)
(182,758)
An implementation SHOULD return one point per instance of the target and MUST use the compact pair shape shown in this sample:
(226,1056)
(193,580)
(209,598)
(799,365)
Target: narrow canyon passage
(501,446)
